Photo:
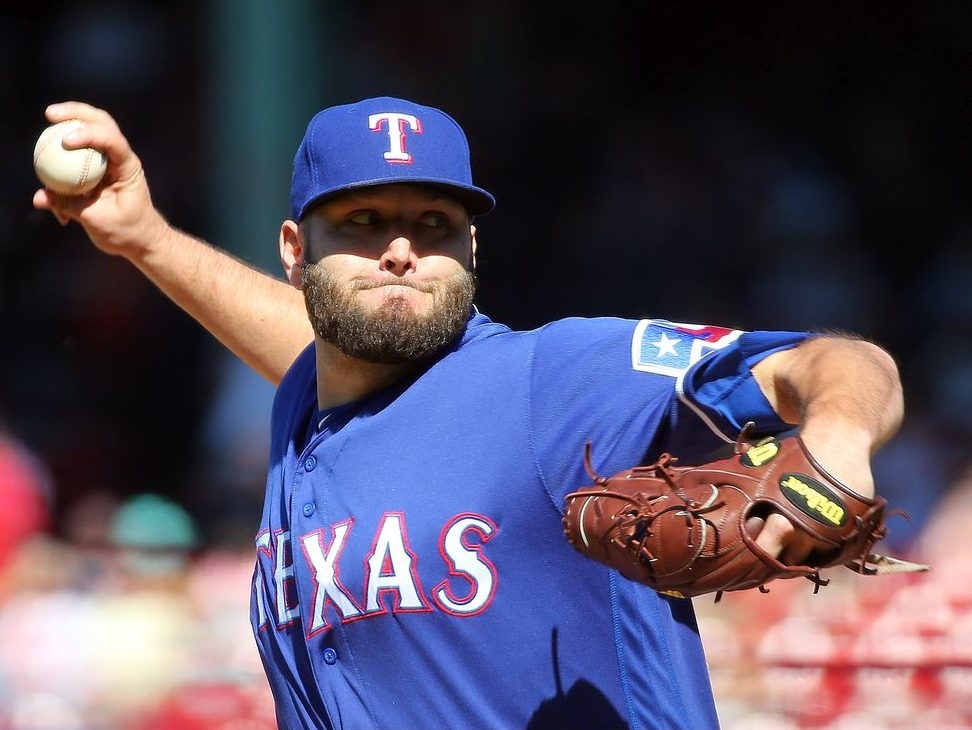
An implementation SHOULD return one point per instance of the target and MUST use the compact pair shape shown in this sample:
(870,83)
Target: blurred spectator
(96,649)
(26,496)
(155,539)
(146,626)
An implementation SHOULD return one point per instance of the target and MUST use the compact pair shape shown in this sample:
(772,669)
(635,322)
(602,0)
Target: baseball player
(411,567)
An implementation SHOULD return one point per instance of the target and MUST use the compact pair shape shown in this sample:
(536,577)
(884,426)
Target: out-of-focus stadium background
(782,165)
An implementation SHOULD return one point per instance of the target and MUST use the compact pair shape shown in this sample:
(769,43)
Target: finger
(99,131)
(42,199)
(775,532)
(45,200)
(65,208)
(783,541)
(59,111)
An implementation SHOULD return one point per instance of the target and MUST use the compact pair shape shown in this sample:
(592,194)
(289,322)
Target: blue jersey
(412,570)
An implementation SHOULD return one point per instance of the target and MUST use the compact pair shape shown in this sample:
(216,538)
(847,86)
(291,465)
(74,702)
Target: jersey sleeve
(635,388)
(718,394)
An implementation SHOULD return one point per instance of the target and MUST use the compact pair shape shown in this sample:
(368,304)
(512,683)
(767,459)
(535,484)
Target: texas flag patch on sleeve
(671,348)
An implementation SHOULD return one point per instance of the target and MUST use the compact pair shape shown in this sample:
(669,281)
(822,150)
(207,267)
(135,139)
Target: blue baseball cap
(380,141)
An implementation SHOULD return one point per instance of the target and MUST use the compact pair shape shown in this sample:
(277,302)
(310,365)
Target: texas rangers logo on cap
(396,124)
(380,141)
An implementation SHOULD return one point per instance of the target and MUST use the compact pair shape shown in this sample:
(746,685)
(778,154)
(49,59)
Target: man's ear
(291,252)
(472,233)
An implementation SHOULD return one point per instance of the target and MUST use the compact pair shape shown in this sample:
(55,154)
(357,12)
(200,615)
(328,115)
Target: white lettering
(397,125)
(327,583)
(391,567)
(263,546)
(467,563)
(283,580)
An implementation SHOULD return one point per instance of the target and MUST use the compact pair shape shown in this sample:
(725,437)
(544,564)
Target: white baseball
(63,171)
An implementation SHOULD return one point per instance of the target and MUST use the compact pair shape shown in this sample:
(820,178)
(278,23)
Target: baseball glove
(688,531)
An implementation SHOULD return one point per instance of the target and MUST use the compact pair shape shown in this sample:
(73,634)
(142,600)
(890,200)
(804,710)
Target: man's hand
(118,215)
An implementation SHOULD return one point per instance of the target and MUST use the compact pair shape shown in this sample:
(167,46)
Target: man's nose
(399,256)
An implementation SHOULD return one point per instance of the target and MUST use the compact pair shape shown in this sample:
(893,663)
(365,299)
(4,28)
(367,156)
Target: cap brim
(475,200)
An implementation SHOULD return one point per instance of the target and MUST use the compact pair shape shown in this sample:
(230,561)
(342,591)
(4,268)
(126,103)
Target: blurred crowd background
(776,165)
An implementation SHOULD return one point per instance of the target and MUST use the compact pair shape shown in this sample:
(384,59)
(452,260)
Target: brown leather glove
(686,531)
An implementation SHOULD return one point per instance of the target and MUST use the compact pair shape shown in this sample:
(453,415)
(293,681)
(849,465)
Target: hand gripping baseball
(683,530)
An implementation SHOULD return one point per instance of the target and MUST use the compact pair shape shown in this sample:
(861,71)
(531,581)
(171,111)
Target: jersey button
(310,463)
(330,656)
(308,509)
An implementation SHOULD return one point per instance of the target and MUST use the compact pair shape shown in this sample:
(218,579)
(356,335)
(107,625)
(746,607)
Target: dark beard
(392,335)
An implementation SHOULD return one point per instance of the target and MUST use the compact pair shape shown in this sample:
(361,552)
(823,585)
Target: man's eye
(365,218)
(435,220)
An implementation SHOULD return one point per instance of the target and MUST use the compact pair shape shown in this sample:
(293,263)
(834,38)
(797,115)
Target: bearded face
(393,333)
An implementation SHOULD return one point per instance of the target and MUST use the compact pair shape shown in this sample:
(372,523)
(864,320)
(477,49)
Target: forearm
(842,382)
(845,395)
(262,320)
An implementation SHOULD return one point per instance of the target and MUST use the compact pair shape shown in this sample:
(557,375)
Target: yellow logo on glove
(762,453)
(813,498)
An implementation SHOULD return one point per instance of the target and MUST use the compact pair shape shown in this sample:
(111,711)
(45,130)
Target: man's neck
(342,379)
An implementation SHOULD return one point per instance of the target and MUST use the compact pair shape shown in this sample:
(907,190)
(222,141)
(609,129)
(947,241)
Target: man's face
(385,275)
